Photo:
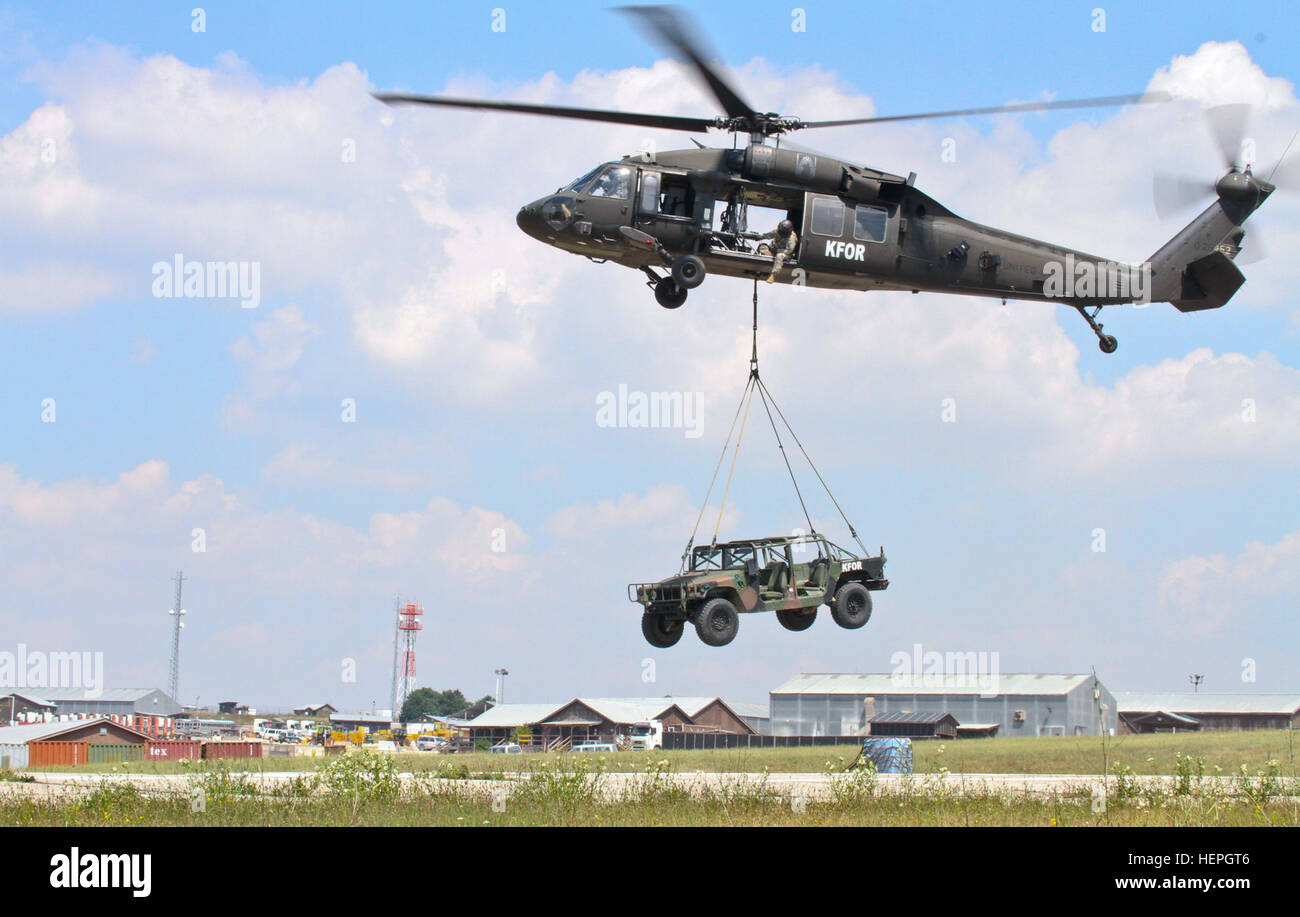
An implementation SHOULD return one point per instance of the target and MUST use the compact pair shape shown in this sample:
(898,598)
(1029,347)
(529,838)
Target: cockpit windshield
(579,183)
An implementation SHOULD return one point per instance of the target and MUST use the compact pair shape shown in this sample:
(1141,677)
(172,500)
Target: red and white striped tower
(409,626)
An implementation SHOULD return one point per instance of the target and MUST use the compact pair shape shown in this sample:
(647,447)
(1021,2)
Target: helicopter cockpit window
(828,217)
(869,223)
(579,183)
(615,182)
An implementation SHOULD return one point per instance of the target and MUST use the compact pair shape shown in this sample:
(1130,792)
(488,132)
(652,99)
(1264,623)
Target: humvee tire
(659,631)
(852,606)
(717,622)
(796,620)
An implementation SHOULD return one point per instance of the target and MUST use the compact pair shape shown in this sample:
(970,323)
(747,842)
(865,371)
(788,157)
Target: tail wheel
(852,606)
(717,622)
(688,271)
(796,619)
(659,631)
(668,294)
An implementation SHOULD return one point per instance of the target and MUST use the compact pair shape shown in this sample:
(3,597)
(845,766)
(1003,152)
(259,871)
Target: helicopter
(680,216)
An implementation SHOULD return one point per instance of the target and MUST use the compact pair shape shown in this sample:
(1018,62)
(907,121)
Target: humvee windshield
(722,557)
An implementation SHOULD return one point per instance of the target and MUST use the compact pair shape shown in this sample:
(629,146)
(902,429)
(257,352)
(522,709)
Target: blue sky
(224,145)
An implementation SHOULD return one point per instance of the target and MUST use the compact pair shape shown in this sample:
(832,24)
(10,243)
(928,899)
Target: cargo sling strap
(752,385)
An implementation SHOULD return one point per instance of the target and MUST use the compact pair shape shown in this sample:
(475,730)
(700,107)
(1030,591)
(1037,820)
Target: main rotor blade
(1099,102)
(1175,193)
(667,122)
(669,28)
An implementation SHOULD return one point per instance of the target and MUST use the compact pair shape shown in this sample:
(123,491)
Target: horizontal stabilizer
(1208,283)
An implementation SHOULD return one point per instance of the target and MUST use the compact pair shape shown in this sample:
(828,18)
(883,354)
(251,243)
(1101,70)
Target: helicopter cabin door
(665,208)
(845,237)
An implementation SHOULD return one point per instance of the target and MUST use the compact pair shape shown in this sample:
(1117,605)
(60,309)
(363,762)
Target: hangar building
(1146,712)
(1019,705)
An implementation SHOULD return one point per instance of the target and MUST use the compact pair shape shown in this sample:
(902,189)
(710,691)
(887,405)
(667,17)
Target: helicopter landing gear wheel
(668,294)
(688,271)
(1106,342)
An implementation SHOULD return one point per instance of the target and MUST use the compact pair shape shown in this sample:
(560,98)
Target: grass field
(1257,788)
(1221,752)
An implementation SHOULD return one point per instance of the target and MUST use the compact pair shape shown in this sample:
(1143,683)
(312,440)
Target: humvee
(790,576)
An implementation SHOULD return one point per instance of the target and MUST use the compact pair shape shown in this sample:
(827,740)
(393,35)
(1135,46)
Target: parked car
(595,746)
(507,748)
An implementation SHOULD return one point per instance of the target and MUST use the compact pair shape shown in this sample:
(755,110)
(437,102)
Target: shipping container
(113,753)
(172,750)
(232,749)
(54,754)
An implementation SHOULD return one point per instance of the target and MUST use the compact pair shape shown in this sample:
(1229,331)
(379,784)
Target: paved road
(619,785)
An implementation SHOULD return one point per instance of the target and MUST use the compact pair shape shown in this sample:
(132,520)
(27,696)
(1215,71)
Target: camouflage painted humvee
(791,576)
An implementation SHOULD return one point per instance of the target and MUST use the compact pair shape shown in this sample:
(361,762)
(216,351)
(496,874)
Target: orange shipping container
(232,749)
(54,754)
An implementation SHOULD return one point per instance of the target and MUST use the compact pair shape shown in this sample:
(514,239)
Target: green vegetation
(428,702)
(364,789)
(1219,753)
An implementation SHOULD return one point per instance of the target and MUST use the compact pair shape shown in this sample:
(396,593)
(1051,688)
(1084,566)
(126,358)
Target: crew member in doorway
(784,241)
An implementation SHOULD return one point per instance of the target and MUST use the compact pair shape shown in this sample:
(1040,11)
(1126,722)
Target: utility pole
(1196,682)
(178,613)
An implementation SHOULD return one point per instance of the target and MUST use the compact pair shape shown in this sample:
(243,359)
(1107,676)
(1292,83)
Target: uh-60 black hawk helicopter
(685,213)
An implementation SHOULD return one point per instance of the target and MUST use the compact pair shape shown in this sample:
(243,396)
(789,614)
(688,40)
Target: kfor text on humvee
(790,576)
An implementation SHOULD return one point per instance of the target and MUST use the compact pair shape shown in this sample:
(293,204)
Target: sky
(409,408)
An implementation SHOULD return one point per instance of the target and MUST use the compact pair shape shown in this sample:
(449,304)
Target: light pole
(501,684)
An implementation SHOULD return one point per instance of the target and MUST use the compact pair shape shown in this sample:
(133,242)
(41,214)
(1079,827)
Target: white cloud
(665,513)
(1204,593)
(412,249)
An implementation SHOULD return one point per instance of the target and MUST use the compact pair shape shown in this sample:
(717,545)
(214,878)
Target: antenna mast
(178,613)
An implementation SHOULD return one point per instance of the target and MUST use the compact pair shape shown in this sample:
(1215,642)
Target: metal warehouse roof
(651,707)
(1182,702)
(507,715)
(31,699)
(106,695)
(883,684)
(753,711)
(19,735)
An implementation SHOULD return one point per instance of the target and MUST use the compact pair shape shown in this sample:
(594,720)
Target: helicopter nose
(529,219)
